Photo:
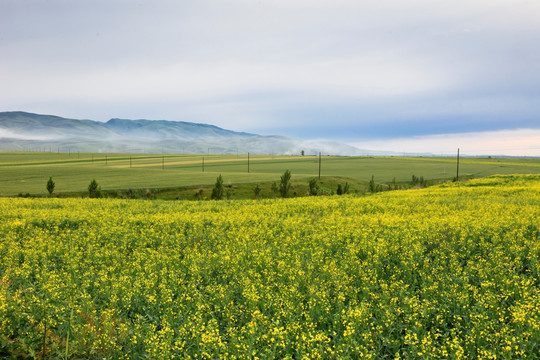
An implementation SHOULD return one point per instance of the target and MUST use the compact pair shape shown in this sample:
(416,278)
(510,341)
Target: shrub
(130,194)
(285,184)
(218,190)
(199,193)
(313,187)
(419,181)
(94,190)
(257,191)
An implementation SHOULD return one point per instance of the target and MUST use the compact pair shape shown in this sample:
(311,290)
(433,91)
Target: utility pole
(319,165)
(248,163)
(203,164)
(457,171)
(130,161)
(163,162)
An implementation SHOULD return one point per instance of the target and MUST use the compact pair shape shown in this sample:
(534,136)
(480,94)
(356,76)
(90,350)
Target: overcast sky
(392,74)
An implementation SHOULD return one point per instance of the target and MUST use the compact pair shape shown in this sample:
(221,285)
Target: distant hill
(25,125)
(27,131)
(32,125)
(164,129)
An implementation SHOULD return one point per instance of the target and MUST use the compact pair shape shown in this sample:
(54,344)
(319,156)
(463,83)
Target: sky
(405,76)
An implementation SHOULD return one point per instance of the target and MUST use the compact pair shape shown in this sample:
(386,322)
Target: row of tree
(218,192)
(284,189)
(94,190)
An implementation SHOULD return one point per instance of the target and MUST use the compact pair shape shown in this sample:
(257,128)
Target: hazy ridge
(34,132)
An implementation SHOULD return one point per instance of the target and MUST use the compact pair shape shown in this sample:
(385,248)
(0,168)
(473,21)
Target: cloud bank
(342,70)
(521,142)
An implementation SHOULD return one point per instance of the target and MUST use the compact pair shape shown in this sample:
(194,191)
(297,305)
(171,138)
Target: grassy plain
(447,272)
(27,172)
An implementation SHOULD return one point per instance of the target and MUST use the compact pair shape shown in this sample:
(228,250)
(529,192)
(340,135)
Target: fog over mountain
(27,131)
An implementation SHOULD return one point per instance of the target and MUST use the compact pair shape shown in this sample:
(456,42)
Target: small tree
(346,188)
(302,152)
(50,185)
(285,184)
(313,187)
(217,191)
(339,190)
(94,190)
(372,186)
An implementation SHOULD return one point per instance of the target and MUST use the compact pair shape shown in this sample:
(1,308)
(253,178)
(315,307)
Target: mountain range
(34,132)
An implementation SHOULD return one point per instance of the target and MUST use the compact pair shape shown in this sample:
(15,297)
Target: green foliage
(257,191)
(94,190)
(274,188)
(50,185)
(342,189)
(285,184)
(372,185)
(199,193)
(346,188)
(218,190)
(419,181)
(313,187)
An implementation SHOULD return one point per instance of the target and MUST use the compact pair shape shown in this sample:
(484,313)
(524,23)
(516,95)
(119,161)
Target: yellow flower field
(448,272)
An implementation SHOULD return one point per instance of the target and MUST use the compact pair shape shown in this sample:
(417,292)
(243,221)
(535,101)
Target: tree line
(283,188)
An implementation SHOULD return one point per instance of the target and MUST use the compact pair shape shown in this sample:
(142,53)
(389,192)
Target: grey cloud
(267,66)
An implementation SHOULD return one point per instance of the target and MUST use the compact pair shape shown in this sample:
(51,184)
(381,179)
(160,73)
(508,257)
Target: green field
(27,172)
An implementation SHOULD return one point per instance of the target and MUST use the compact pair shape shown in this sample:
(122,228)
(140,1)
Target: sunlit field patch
(450,271)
